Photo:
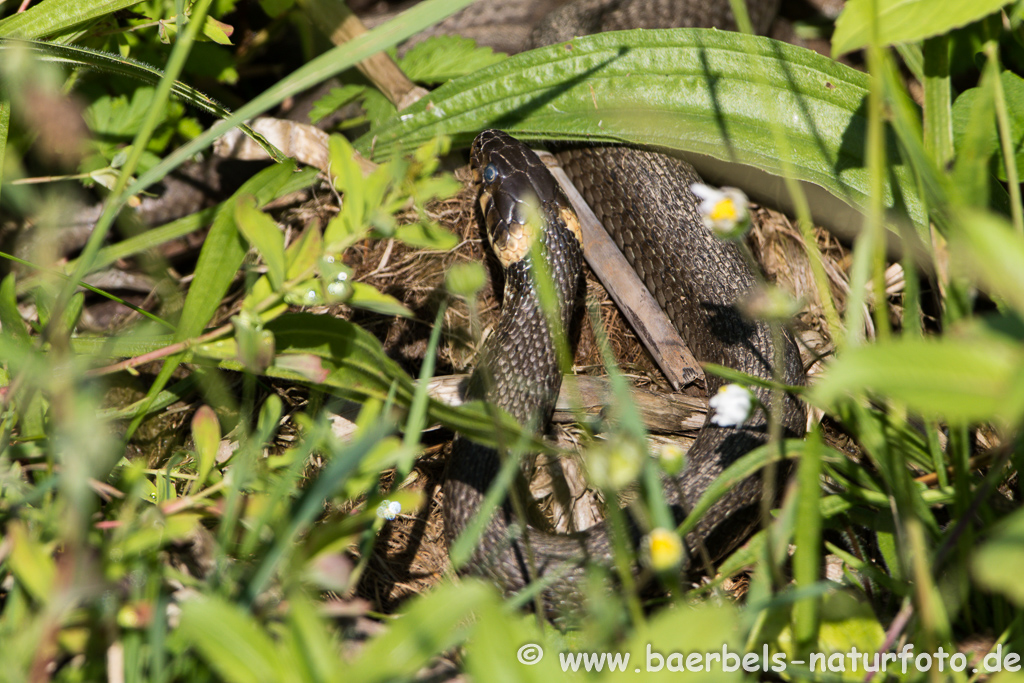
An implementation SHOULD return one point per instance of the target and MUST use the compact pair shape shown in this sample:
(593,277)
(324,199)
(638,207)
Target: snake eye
(490,173)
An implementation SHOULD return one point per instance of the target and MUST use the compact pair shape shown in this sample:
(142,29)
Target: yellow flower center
(724,210)
(665,549)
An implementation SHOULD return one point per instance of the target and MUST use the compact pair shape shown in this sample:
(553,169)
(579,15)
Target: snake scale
(644,200)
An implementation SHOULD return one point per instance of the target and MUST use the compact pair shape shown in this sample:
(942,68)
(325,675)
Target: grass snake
(644,200)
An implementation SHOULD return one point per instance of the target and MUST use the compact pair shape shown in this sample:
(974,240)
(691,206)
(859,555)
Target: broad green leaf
(370,298)
(262,233)
(961,380)
(58,16)
(231,641)
(223,252)
(154,530)
(427,235)
(357,364)
(275,8)
(996,564)
(975,141)
(442,58)
(687,90)
(311,640)
(904,21)
(988,144)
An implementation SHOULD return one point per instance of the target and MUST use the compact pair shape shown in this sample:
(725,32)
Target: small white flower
(732,405)
(389,509)
(724,211)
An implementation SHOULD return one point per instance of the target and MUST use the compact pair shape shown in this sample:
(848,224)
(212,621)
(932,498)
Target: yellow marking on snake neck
(572,222)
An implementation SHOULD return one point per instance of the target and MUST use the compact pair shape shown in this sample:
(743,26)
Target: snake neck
(519,369)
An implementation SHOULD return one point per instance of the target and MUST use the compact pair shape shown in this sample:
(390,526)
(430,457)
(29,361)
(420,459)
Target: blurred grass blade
(230,640)
(984,246)
(5,126)
(996,564)
(904,21)
(311,504)
(351,363)
(739,470)
(432,623)
(206,435)
(58,16)
(186,225)
(807,557)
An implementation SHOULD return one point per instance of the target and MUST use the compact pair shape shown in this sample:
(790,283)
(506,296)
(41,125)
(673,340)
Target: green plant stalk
(417,420)
(928,600)
(739,11)
(630,420)
(5,126)
(876,158)
(913,58)
(938,100)
(1003,119)
(796,192)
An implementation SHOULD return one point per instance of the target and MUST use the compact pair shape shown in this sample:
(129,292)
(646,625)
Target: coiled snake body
(645,203)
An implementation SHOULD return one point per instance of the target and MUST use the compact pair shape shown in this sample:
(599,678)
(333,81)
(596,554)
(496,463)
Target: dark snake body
(644,201)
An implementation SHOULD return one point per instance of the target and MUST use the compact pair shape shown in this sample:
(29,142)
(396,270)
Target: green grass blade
(5,126)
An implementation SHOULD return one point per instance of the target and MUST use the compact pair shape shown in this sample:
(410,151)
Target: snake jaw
(511,229)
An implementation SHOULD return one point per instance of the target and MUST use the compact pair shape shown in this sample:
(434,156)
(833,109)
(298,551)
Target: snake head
(514,186)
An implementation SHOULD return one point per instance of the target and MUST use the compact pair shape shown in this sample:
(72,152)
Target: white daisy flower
(725,211)
(732,405)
